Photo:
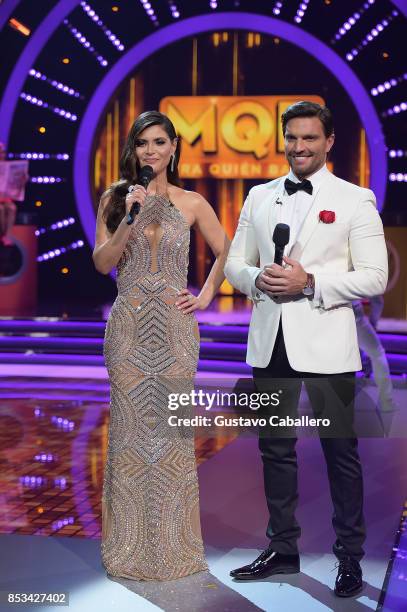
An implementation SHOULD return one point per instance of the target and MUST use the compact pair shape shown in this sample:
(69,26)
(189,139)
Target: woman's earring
(172,163)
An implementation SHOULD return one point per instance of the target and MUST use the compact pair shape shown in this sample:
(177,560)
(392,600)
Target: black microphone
(144,178)
(281,237)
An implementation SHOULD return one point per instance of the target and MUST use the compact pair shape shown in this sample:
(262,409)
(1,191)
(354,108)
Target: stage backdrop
(230,121)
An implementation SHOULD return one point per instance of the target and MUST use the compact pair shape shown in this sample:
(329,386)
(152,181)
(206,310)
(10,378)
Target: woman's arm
(108,247)
(215,236)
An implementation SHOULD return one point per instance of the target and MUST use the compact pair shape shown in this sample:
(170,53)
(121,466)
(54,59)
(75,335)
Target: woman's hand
(138,194)
(187,302)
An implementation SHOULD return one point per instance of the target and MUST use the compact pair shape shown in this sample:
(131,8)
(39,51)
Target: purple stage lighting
(351,21)
(301,11)
(150,11)
(374,33)
(94,17)
(38,156)
(174,10)
(56,525)
(277,8)
(46,179)
(395,110)
(85,43)
(399,177)
(397,153)
(57,84)
(42,104)
(382,87)
(61,251)
(55,226)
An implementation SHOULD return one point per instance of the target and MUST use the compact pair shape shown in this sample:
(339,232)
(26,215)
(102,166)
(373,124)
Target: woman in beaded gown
(150,500)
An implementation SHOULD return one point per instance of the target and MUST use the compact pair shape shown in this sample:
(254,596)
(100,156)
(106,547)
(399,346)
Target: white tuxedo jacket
(348,259)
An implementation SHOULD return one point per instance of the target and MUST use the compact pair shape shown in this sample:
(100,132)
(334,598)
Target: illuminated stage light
(213,4)
(397,153)
(373,34)
(60,422)
(301,11)
(395,110)
(351,21)
(55,226)
(398,177)
(33,99)
(60,481)
(277,8)
(115,9)
(38,156)
(19,27)
(34,482)
(60,251)
(57,84)
(66,60)
(253,40)
(92,15)
(62,523)
(44,458)
(85,43)
(150,11)
(45,179)
(38,102)
(375,91)
(174,10)
(38,203)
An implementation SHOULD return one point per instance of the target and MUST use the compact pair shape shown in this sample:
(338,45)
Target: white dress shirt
(296,207)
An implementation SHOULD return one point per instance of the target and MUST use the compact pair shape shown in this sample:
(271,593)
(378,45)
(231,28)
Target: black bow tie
(292,187)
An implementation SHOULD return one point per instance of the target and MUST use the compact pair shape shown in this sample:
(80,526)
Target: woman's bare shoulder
(188,198)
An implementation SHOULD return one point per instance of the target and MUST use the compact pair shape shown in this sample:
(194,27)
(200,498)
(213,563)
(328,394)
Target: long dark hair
(129,166)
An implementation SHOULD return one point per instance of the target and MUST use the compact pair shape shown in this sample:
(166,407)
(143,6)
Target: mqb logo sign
(230,136)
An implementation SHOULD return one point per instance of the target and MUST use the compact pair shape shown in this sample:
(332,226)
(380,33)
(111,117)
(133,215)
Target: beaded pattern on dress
(150,503)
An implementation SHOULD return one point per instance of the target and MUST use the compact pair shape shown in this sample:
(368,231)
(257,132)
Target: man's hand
(277,281)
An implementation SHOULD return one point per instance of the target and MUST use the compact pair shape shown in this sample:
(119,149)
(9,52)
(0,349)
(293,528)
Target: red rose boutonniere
(327,216)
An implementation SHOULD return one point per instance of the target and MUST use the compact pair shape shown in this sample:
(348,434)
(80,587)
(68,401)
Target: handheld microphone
(145,176)
(281,237)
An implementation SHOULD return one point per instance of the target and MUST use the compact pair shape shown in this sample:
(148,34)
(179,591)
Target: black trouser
(331,396)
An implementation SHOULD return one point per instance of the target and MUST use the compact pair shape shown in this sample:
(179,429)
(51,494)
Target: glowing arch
(205,23)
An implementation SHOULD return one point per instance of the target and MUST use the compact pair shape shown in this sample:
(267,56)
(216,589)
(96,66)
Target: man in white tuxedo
(303,329)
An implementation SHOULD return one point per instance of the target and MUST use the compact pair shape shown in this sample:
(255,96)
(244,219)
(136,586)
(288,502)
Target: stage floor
(53,443)
(52,465)
(232,538)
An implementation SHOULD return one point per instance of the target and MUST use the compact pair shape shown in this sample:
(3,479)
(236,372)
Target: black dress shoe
(349,579)
(268,563)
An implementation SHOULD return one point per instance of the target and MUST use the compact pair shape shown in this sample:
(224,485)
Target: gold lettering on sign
(243,137)
(204,126)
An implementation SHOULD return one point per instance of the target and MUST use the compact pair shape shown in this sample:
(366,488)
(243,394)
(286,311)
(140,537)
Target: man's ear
(330,142)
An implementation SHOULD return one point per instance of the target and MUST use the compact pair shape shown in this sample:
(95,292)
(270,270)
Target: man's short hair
(309,109)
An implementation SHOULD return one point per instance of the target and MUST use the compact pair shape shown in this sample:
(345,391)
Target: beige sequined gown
(150,503)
